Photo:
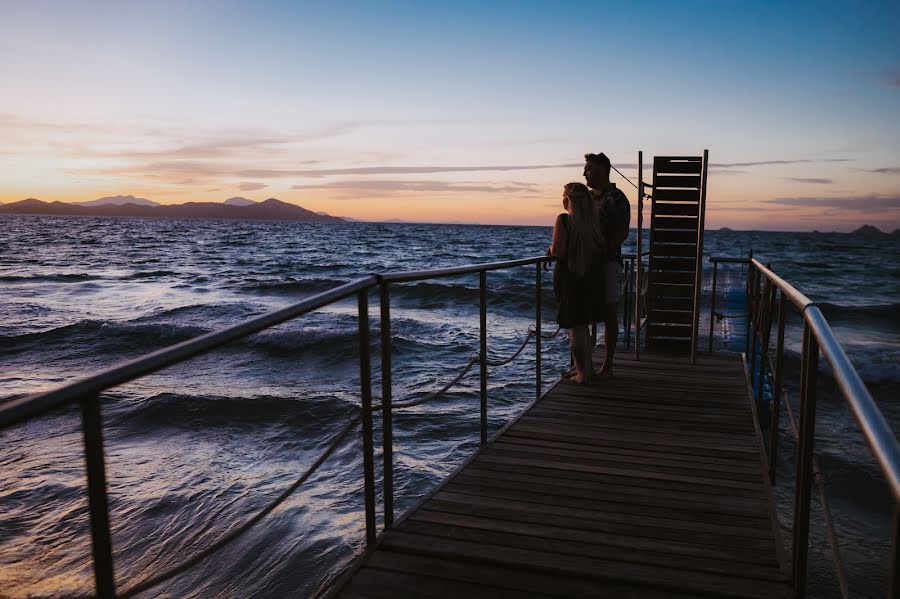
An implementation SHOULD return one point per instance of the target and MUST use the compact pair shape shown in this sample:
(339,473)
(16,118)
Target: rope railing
(516,353)
(248,524)
(234,533)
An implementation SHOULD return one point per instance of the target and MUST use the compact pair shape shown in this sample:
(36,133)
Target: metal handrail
(817,337)
(86,392)
(881,439)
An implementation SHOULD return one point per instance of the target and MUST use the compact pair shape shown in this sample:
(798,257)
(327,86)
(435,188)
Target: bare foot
(570,373)
(583,378)
(605,373)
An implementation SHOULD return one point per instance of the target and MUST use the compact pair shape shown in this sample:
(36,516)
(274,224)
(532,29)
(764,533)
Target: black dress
(578,295)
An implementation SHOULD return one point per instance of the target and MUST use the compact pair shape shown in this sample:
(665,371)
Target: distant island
(237,207)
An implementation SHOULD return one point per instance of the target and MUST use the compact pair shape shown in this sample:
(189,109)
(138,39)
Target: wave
(53,278)
(182,411)
(871,313)
(312,285)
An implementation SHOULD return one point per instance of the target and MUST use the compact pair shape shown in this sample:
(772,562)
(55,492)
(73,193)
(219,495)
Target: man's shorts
(613,281)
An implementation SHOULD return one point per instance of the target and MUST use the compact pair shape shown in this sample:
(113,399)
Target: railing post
(712,306)
(537,330)
(776,387)
(387,432)
(805,446)
(749,271)
(639,258)
(482,280)
(698,265)
(98,502)
(894,565)
(365,387)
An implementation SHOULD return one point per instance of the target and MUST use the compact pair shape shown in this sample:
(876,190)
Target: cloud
(396,170)
(776,162)
(251,186)
(380,187)
(809,180)
(866,203)
(888,170)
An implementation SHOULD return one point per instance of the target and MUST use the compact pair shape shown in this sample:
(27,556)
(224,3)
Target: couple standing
(587,245)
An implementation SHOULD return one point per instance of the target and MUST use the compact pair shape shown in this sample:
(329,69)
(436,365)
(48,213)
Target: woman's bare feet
(605,372)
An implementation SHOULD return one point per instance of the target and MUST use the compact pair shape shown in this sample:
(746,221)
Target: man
(614,214)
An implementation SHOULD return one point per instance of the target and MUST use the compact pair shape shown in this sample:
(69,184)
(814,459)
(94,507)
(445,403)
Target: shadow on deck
(649,484)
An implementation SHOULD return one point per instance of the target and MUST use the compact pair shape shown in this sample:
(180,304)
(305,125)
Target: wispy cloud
(777,162)
(864,203)
(251,186)
(809,180)
(888,170)
(379,187)
(396,170)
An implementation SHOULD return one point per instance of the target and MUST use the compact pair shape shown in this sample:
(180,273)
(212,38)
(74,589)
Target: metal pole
(365,388)
(804,459)
(639,258)
(894,566)
(712,306)
(626,313)
(751,318)
(98,503)
(537,330)
(482,279)
(387,438)
(747,332)
(698,266)
(779,381)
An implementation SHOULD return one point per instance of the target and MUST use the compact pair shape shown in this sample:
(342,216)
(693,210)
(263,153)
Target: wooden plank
(672,316)
(676,195)
(677,165)
(668,330)
(681,278)
(603,569)
(665,290)
(672,263)
(673,249)
(676,208)
(505,577)
(672,222)
(676,181)
(576,537)
(686,302)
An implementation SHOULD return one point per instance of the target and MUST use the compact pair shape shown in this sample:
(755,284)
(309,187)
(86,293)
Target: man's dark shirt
(614,212)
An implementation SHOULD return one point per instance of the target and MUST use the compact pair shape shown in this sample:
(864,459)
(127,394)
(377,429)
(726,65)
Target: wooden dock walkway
(649,484)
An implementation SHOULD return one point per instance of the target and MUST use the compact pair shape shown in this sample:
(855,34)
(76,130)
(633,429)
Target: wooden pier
(649,484)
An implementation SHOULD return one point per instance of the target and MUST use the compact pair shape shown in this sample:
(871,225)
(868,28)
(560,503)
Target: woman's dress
(580,297)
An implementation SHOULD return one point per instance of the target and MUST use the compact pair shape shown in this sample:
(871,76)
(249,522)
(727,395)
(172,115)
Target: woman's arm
(559,243)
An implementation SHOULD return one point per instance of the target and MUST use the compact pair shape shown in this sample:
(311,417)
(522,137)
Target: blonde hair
(586,238)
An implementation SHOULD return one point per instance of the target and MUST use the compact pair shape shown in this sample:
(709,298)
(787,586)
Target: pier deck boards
(649,484)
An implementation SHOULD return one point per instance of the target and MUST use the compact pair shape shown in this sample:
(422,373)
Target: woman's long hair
(586,238)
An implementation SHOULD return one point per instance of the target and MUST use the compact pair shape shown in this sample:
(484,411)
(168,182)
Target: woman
(579,248)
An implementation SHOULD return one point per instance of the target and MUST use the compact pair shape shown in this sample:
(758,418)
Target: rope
(473,359)
(531,332)
(553,334)
(826,509)
(149,583)
(235,533)
(646,195)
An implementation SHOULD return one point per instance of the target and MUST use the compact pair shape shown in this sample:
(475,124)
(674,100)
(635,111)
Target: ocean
(199,447)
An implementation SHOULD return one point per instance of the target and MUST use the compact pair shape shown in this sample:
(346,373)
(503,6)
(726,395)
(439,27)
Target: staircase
(676,247)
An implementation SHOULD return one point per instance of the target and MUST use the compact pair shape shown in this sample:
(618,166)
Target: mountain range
(113,206)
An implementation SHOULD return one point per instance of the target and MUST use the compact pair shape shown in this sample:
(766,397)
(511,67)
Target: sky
(475,112)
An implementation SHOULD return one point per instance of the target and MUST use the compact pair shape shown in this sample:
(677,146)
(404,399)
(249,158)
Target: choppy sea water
(197,448)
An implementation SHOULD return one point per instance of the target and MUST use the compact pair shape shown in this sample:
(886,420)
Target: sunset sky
(454,111)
